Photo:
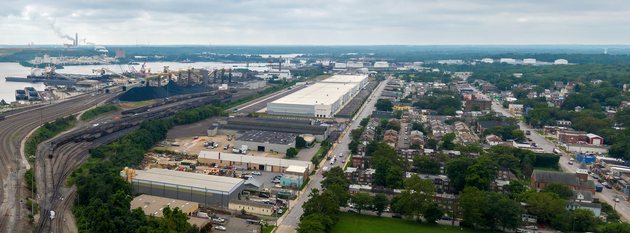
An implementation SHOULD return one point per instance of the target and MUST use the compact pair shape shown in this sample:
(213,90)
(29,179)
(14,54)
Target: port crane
(101,71)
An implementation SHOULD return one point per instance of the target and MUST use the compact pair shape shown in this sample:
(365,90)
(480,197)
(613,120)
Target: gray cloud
(318,22)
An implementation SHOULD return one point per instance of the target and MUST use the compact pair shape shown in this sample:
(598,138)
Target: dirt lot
(190,145)
(194,129)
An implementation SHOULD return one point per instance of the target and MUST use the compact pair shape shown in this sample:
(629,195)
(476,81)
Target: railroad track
(13,129)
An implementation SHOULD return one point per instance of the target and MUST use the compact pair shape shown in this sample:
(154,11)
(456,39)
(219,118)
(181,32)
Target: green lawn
(359,223)
(546,169)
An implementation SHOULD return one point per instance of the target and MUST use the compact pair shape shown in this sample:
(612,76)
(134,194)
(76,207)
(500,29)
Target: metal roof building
(322,99)
(207,189)
(266,141)
(251,162)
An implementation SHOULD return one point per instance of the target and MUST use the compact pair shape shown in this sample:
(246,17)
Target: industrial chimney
(76,39)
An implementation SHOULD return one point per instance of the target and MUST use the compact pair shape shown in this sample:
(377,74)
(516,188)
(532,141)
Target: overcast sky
(314,22)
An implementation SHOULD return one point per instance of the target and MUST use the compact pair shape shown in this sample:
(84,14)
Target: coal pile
(171,89)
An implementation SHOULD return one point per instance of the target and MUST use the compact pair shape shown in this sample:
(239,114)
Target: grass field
(359,223)
(546,169)
(136,104)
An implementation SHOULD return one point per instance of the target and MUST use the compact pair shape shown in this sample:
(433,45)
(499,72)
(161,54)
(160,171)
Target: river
(13,69)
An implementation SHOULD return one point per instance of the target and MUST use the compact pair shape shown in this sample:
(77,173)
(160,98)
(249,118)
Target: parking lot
(234,224)
(266,177)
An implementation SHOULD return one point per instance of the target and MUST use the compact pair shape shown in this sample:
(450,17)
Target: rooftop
(252,159)
(296,169)
(251,203)
(563,178)
(268,137)
(152,205)
(210,182)
(318,93)
(344,79)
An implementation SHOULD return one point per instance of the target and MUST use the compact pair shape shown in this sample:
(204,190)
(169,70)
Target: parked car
(396,216)
(352,211)
(280,211)
(196,137)
(263,195)
(570,163)
(220,228)
(571,159)
(221,220)
(446,218)
(531,227)
(256,173)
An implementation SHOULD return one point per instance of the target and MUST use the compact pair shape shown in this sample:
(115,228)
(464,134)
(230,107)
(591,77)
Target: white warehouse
(322,99)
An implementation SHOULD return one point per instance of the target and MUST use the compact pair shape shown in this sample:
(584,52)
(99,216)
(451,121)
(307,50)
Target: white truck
(203,215)
(244,149)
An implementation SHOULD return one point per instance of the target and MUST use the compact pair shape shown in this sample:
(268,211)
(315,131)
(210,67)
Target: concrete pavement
(293,217)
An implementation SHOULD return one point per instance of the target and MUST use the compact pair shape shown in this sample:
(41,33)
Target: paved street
(607,195)
(293,218)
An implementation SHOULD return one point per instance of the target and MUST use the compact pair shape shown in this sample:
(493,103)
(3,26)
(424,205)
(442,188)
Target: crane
(102,72)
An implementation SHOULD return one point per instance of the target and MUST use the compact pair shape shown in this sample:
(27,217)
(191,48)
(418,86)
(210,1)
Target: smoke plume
(33,14)
(87,42)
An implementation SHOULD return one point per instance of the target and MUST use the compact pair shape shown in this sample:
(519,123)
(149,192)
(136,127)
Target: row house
(493,140)
(449,202)
(499,186)
(359,161)
(360,176)
(441,182)
(361,150)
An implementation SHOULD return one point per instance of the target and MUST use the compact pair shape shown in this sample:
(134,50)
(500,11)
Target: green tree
(476,107)
(300,142)
(2,103)
(392,125)
(473,203)
(447,143)
(321,203)
(510,214)
(325,143)
(433,213)
(356,133)
(415,146)
(394,177)
(384,105)
(353,145)
(456,171)
(432,144)
(315,223)
(215,102)
(621,227)
(364,121)
(426,165)
(382,168)
(518,134)
(335,175)
(585,220)
(546,205)
(562,190)
(361,201)
(516,188)
(380,203)
(418,126)
(398,114)
(415,199)
(291,152)
(512,120)
(339,194)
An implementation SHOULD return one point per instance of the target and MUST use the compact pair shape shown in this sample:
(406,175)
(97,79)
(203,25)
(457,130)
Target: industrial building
(322,99)
(251,207)
(266,141)
(153,205)
(249,162)
(238,126)
(206,189)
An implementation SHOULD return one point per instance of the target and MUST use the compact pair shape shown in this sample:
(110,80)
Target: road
(13,129)
(606,195)
(293,218)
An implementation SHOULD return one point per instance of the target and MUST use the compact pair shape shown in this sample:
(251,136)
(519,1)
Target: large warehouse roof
(344,79)
(268,137)
(218,183)
(318,93)
(252,159)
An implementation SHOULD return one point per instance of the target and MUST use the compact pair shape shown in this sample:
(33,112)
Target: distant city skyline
(344,22)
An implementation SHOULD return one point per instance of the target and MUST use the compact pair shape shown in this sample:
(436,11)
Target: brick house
(498,186)
(577,181)
(440,181)
(360,176)
(358,161)
(572,136)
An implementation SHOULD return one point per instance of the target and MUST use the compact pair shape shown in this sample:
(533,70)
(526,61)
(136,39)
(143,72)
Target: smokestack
(76,39)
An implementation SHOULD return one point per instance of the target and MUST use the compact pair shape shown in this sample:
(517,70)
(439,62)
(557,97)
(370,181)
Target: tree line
(103,197)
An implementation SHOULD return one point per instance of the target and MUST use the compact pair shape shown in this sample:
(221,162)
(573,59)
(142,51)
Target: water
(7,89)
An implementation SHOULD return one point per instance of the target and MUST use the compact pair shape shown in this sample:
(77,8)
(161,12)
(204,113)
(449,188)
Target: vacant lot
(359,223)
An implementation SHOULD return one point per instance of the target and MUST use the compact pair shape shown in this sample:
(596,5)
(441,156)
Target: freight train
(91,134)
(223,95)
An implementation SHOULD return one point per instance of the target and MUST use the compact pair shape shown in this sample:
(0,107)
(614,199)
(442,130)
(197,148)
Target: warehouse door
(597,141)
(268,168)
(261,167)
(261,148)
